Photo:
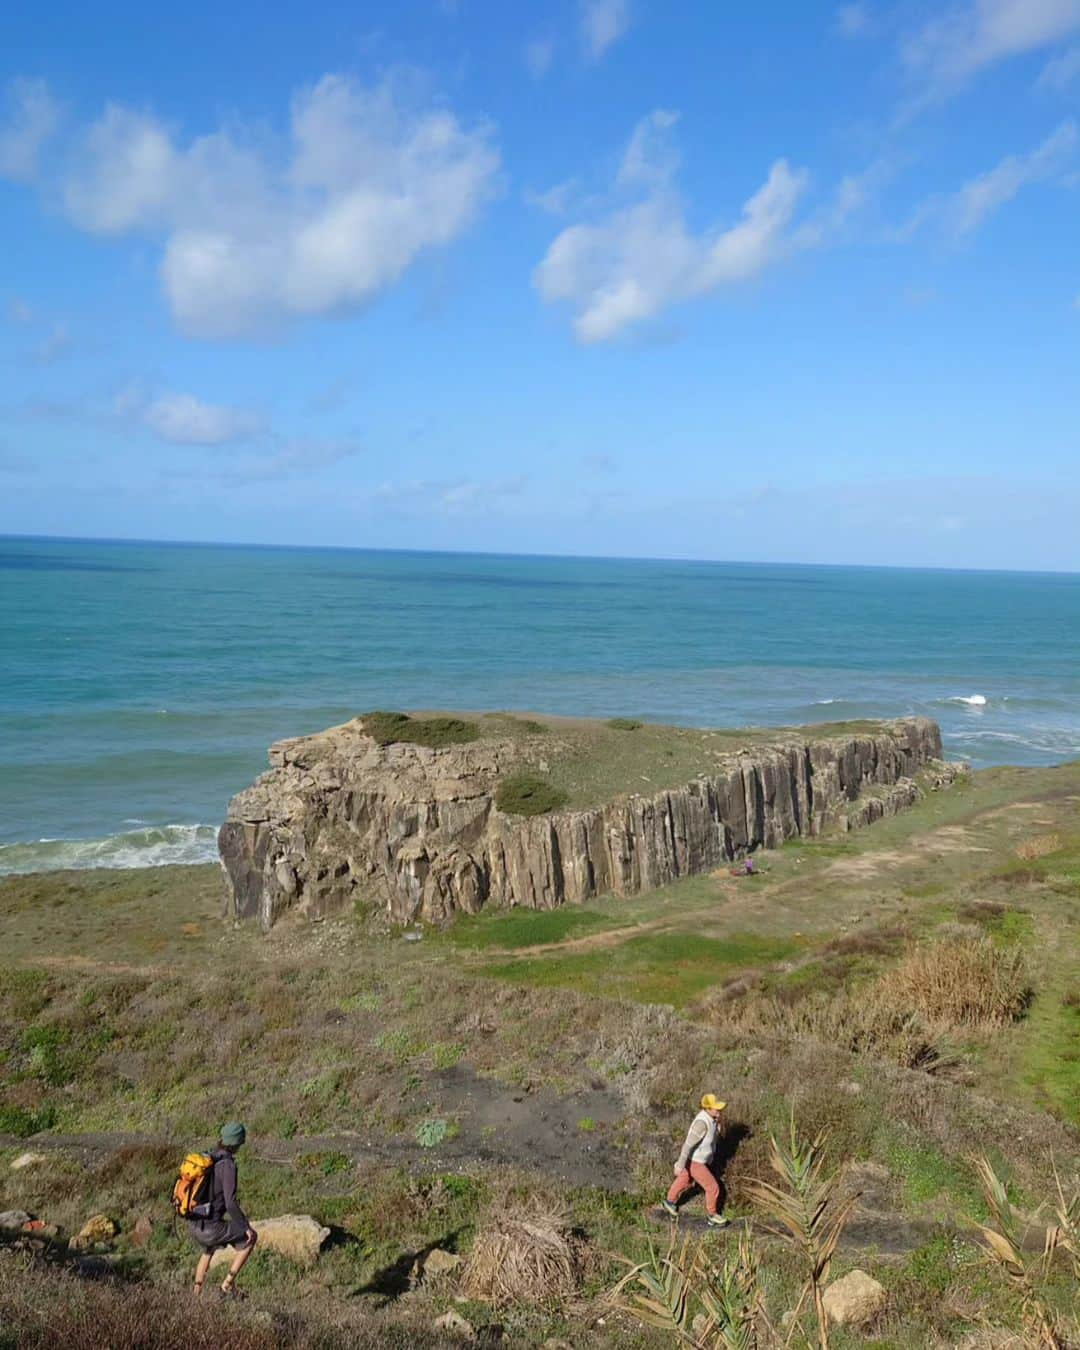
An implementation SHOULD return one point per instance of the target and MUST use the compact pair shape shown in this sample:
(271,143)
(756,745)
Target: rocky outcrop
(339,817)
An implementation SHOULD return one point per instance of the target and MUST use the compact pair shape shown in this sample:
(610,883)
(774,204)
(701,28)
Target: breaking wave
(151,846)
(972,700)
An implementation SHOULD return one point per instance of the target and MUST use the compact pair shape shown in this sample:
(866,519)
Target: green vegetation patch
(525,794)
(390,728)
(624,724)
(673,968)
(530,927)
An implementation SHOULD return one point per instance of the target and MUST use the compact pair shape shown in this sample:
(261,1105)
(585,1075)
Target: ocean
(141,683)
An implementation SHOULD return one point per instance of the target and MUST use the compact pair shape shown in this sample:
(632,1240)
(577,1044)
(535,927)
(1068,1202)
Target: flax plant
(1003,1244)
(808,1211)
(705,1305)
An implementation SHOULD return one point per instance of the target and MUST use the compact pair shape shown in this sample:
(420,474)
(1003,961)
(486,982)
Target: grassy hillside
(913,989)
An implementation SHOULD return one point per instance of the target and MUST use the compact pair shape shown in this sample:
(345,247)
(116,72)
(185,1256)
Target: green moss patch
(391,728)
(529,927)
(525,794)
(673,968)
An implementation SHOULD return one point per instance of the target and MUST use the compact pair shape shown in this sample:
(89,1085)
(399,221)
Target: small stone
(556,1343)
(455,1324)
(854,1300)
(143,1231)
(439,1262)
(28,1160)
(11,1220)
(99,1229)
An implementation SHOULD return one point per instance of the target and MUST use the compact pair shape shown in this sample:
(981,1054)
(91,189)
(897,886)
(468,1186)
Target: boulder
(855,1299)
(95,1232)
(143,1231)
(12,1220)
(436,1263)
(297,1237)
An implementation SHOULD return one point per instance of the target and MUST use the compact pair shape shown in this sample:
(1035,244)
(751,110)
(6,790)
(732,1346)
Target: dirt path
(568,1139)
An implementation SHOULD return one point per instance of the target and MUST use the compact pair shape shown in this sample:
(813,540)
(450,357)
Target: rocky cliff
(340,817)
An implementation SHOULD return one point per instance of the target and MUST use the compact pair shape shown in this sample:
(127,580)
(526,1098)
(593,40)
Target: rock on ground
(436,1263)
(855,1299)
(297,1237)
(98,1229)
(28,1160)
(12,1220)
(455,1324)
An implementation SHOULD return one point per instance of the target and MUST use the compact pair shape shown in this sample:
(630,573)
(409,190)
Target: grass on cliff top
(390,728)
(591,760)
(526,794)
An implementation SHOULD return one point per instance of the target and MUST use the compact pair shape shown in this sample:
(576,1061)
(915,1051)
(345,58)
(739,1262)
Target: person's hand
(250,1236)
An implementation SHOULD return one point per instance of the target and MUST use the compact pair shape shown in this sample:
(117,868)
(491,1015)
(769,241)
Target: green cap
(233,1134)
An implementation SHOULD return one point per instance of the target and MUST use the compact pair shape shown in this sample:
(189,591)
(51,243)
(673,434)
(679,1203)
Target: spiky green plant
(1003,1245)
(705,1305)
(807,1210)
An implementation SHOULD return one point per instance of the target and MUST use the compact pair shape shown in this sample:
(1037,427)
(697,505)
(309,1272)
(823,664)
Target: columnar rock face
(340,818)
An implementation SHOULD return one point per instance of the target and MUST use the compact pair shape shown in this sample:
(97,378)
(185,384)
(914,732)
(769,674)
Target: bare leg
(201,1267)
(238,1263)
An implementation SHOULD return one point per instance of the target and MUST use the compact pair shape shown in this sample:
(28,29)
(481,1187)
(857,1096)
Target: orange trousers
(697,1174)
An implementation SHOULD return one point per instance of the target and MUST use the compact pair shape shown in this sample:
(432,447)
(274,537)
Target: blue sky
(788,282)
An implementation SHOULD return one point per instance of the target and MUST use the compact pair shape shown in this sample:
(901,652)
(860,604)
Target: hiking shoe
(716,1221)
(672,1211)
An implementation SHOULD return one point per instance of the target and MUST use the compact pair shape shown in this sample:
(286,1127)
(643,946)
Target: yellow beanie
(711,1103)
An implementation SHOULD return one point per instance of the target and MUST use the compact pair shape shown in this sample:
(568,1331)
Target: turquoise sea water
(140,684)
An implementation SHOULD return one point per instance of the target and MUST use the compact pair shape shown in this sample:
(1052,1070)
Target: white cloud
(968,37)
(538,56)
(183,419)
(458,496)
(55,346)
(291,459)
(642,257)
(32,118)
(555,201)
(19,312)
(981,196)
(603,22)
(852,20)
(254,233)
(1059,73)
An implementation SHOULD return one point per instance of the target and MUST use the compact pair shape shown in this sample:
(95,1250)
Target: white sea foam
(152,846)
(972,700)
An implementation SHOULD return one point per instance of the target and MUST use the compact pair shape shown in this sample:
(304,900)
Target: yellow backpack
(192,1192)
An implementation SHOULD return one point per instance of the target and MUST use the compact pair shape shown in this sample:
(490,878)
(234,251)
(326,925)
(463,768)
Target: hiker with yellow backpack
(205,1195)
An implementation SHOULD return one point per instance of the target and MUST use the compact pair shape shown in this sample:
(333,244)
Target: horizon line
(569,557)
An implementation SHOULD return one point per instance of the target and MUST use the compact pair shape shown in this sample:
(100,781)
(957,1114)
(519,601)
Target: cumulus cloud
(603,22)
(31,118)
(966,38)
(255,233)
(981,196)
(643,257)
(183,419)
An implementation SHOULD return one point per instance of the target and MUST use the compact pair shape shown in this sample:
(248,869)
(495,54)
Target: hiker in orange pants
(694,1167)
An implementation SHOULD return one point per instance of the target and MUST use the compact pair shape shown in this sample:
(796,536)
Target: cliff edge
(352,813)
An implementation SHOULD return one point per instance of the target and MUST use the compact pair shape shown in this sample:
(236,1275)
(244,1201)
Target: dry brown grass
(44,1306)
(525,1254)
(908,1013)
(960,984)
(1037,846)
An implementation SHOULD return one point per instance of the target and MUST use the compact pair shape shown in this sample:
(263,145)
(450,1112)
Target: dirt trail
(495,1125)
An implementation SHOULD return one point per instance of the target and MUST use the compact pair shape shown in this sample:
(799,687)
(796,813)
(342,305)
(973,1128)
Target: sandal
(229,1290)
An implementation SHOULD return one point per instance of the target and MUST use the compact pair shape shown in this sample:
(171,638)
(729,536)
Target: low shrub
(624,724)
(525,794)
(965,984)
(391,728)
